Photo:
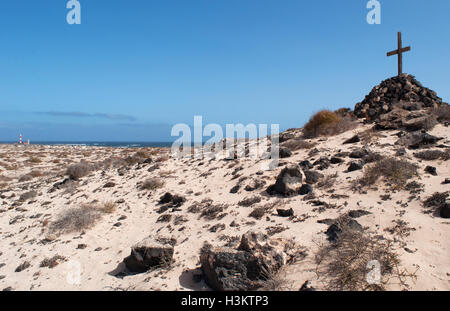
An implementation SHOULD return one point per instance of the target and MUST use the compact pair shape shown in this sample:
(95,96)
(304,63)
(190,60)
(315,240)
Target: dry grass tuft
(76,171)
(108,207)
(394,171)
(350,263)
(152,184)
(80,218)
(327,123)
(431,155)
(297,144)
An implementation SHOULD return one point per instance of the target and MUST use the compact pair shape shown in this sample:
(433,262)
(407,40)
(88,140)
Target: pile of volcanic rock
(249,266)
(400,103)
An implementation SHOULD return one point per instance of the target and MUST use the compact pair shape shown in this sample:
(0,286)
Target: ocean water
(118,144)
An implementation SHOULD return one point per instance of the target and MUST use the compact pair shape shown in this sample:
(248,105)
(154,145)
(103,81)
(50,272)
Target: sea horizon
(122,144)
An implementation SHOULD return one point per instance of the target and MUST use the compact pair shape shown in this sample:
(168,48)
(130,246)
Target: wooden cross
(399,52)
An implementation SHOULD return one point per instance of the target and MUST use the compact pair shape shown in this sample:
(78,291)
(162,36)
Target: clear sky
(132,69)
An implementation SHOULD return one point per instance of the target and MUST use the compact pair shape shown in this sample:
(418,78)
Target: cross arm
(395,52)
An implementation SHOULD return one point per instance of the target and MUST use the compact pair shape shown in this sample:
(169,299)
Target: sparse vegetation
(297,144)
(52,262)
(348,263)
(76,219)
(35,160)
(108,207)
(327,123)
(396,172)
(430,155)
(436,200)
(152,184)
(77,171)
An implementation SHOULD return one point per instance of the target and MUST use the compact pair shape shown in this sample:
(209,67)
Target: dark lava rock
(285,212)
(431,170)
(322,164)
(305,189)
(359,153)
(403,89)
(352,140)
(244,268)
(150,253)
(166,198)
(284,152)
(312,177)
(235,189)
(306,164)
(444,211)
(446,181)
(417,140)
(23,266)
(358,213)
(109,184)
(306,288)
(401,152)
(336,160)
(147,161)
(174,200)
(355,166)
(254,183)
(342,224)
(60,185)
(287,181)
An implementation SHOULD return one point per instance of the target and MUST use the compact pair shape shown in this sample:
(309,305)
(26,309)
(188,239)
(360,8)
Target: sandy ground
(422,243)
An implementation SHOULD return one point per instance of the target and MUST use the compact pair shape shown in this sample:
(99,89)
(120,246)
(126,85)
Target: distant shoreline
(96,144)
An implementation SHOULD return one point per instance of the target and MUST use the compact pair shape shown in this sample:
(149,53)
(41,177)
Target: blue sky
(132,69)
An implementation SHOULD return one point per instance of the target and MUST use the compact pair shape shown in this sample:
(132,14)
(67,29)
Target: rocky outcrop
(247,267)
(150,253)
(418,139)
(404,92)
(288,181)
(340,225)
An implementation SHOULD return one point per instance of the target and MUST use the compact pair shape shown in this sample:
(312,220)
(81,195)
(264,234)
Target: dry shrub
(213,211)
(76,219)
(297,144)
(276,281)
(141,154)
(347,263)
(52,262)
(327,123)
(3,185)
(162,158)
(436,200)
(152,184)
(370,135)
(76,171)
(328,181)
(108,207)
(30,176)
(430,155)
(396,172)
(34,160)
